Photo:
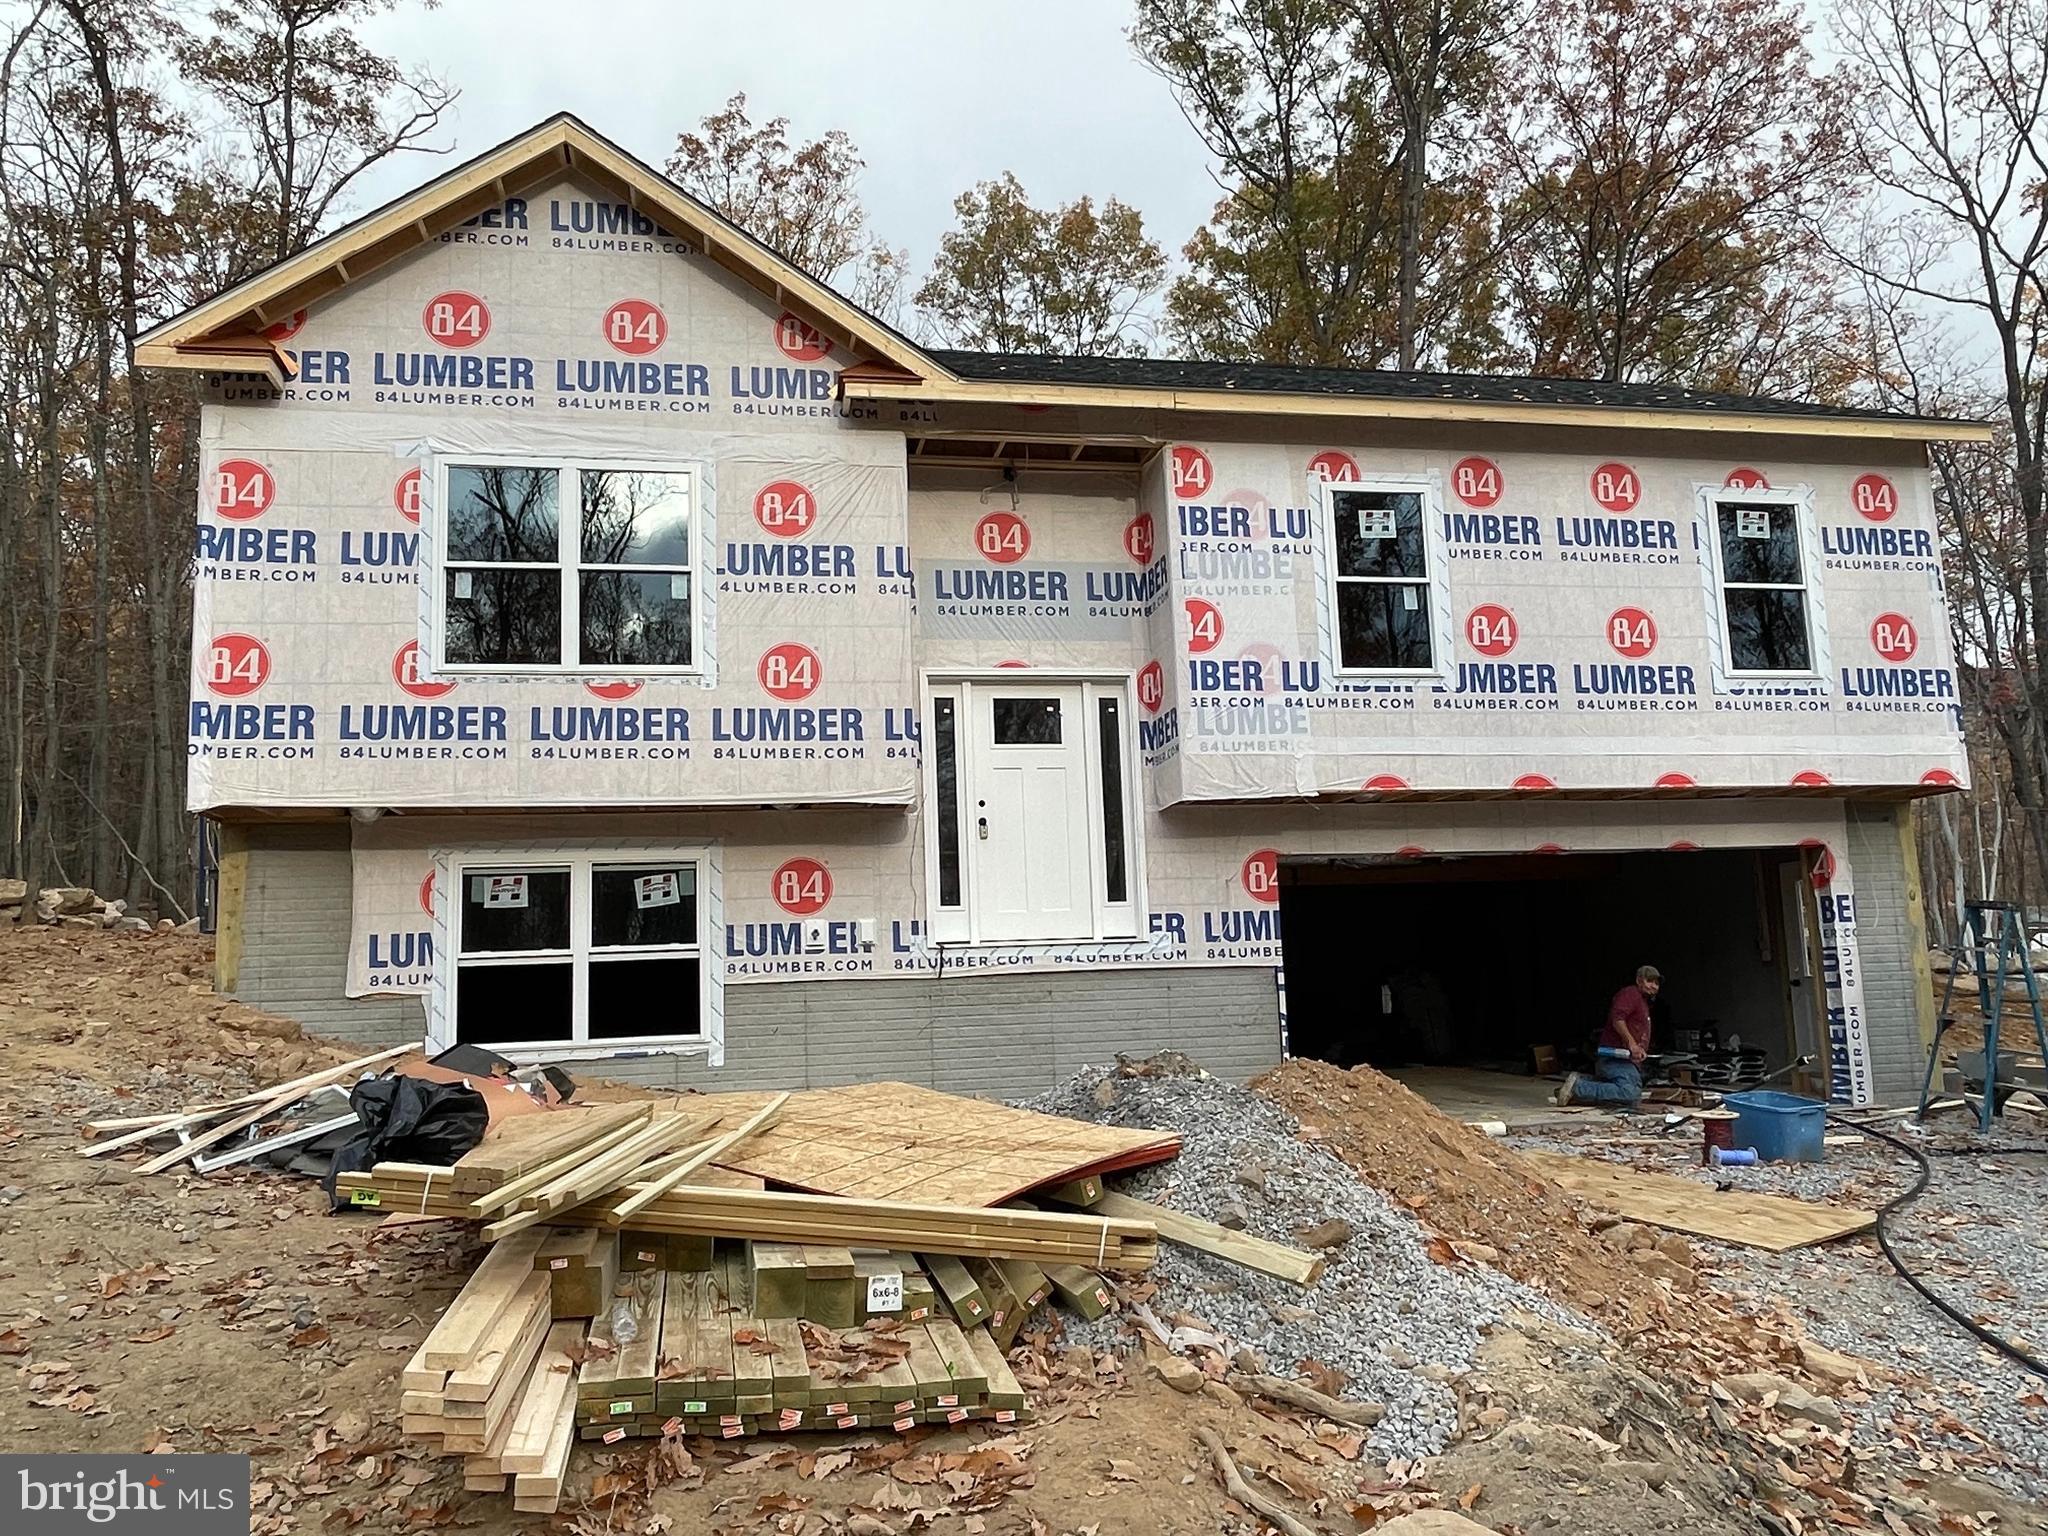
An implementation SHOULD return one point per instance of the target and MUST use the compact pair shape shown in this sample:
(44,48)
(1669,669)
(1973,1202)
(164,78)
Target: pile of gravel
(1977,1236)
(1394,1321)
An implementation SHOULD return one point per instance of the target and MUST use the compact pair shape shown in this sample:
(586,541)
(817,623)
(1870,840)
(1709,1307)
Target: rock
(1793,1401)
(1675,1248)
(1652,1262)
(1621,1235)
(1833,1369)
(1252,1176)
(130,925)
(1222,1394)
(1434,1522)
(351,1426)
(1230,1217)
(68,900)
(164,925)
(1181,1375)
(1653,1473)
(1479,1253)
(9,1193)
(263,1025)
(1399,1358)
(1334,1233)
(79,922)
(1103,1096)
(13,892)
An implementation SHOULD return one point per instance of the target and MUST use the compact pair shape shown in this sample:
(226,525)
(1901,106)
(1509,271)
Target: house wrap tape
(314,682)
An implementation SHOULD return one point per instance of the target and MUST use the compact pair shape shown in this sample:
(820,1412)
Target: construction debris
(1775,1222)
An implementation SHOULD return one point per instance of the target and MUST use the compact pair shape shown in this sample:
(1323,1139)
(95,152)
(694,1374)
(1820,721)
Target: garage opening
(1438,969)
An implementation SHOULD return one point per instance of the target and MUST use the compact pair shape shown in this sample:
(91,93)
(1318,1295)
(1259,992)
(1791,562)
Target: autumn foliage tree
(802,200)
(1665,165)
(144,165)
(1355,228)
(1014,278)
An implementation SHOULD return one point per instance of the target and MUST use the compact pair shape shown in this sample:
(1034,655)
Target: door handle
(982,821)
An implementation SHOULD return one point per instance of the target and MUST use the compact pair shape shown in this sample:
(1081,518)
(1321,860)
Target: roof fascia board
(559,146)
(1259,403)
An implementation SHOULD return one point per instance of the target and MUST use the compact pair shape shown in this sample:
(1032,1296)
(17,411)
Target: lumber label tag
(885,1292)
(671,1426)
(620,1410)
(614,1436)
(162,1495)
(365,1197)
(696,1410)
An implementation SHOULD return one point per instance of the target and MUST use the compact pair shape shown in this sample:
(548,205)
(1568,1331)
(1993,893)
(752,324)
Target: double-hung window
(1378,542)
(1766,596)
(578,949)
(568,565)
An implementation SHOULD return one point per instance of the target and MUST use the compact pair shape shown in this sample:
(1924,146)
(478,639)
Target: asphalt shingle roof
(1272,378)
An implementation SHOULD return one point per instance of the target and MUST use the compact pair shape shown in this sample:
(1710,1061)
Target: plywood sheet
(896,1141)
(1773,1222)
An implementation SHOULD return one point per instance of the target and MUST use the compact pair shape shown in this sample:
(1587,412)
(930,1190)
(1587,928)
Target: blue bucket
(1783,1127)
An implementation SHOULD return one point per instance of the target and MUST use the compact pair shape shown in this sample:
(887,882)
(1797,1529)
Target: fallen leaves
(139,1281)
(152,1335)
(13,1342)
(307,1338)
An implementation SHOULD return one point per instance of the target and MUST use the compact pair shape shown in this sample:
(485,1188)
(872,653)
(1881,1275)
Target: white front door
(1026,816)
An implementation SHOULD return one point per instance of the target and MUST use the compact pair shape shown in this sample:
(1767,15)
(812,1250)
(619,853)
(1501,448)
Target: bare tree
(1951,136)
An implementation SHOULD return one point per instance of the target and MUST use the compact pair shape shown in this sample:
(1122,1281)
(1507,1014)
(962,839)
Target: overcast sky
(937,97)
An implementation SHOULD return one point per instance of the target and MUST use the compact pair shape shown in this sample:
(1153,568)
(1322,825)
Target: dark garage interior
(1474,961)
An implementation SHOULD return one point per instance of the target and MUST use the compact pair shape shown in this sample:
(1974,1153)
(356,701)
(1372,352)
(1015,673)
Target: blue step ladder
(1992,956)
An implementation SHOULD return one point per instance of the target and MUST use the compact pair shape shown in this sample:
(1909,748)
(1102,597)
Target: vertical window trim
(580,863)
(1114,922)
(1435,580)
(568,572)
(1799,501)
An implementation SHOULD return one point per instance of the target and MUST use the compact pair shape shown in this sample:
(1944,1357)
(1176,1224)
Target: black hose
(1898,1203)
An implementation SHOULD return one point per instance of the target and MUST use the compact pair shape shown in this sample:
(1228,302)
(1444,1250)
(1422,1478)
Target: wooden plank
(634,1375)
(515,1147)
(1083,1192)
(493,1284)
(1080,1290)
(969,1379)
(828,1286)
(775,1279)
(897,1141)
(1775,1223)
(515,1189)
(1238,1247)
(260,1096)
(1004,1394)
(763,1116)
(551,1381)
(962,1295)
(540,1492)
(476,1379)
(789,1373)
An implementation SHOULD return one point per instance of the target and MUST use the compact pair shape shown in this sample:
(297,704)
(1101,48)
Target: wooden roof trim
(562,144)
(950,390)
(228,354)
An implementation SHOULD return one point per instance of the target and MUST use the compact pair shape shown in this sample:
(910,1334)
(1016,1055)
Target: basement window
(579,949)
(1762,565)
(567,566)
(1380,540)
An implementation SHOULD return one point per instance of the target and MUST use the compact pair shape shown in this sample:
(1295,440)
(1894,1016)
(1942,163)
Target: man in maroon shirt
(1624,1042)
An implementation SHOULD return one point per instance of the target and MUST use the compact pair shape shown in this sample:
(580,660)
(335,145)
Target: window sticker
(1753,522)
(661,890)
(500,890)
(1376,522)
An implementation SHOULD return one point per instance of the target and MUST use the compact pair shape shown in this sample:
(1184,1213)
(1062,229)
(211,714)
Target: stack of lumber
(691,1356)
(492,1381)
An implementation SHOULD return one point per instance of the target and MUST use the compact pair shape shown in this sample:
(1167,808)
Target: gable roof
(226,332)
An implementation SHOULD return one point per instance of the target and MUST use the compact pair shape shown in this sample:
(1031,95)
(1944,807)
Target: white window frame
(1113,922)
(1435,580)
(580,862)
(1799,501)
(569,535)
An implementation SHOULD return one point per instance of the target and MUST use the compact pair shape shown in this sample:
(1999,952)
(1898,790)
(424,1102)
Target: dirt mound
(1469,1188)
